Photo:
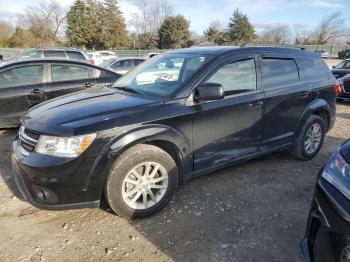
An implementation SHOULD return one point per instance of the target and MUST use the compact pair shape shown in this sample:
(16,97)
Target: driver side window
(237,77)
(21,76)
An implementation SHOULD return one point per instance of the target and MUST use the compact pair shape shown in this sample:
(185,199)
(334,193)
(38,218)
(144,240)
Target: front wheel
(310,140)
(141,182)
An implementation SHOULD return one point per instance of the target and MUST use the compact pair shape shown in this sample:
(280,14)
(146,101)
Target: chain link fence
(331,49)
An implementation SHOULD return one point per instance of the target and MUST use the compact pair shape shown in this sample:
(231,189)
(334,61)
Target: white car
(96,57)
(122,65)
(106,55)
(324,54)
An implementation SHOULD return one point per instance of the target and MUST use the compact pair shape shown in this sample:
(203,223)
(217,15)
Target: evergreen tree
(115,34)
(174,33)
(240,30)
(75,24)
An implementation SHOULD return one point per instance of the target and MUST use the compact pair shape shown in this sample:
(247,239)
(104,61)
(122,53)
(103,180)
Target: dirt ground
(255,211)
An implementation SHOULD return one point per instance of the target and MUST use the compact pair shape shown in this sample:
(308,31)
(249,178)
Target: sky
(261,13)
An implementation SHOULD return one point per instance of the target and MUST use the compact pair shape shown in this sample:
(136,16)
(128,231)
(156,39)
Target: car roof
(224,50)
(56,49)
(45,60)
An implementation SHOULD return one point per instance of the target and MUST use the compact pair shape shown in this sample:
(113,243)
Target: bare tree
(45,21)
(330,28)
(302,36)
(275,34)
(6,29)
(149,19)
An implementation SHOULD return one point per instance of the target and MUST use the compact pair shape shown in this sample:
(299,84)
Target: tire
(300,150)
(127,185)
(340,100)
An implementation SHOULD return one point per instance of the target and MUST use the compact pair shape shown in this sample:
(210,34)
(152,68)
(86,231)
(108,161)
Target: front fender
(319,104)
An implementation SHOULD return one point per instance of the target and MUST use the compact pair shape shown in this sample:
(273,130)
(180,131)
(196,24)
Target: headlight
(337,172)
(64,146)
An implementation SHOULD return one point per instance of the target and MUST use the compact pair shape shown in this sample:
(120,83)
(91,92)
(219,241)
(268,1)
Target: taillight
(337,88)
(91,61)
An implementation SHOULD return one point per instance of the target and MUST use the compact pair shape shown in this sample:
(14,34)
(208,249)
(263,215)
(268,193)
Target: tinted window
(313,68)
(343,65)
(55,53)
(121,64)
(75,55)
(279,73)
(25,75)
(237,77)
(138,61)
(69,72)
(31,55)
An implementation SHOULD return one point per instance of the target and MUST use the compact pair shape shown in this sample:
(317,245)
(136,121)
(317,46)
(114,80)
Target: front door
(20,87)
(231,128)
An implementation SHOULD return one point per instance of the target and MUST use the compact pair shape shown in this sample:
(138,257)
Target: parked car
(328,229)
(136,141)
(24,84)
(323,54)
(55,53)
(344,54)
(107,55)
(96,57)
(122,65)
(344,88)
(341,69)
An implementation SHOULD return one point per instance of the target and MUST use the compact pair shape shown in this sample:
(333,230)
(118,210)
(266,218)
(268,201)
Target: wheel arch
(318,107)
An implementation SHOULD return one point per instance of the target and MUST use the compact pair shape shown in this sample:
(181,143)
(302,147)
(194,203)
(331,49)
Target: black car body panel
(200,136)
(328,228)
(20,96)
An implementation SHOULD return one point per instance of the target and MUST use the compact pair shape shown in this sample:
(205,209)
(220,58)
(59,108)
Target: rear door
(286,99)
(65,78)
(20,88)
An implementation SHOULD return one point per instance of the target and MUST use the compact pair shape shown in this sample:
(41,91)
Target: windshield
(343,65)
(107,63)
(162,75)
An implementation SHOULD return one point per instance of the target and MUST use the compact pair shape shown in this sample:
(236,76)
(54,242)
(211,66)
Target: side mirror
(208,92)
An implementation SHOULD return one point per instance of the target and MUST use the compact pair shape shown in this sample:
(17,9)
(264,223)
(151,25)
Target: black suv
(176,116)
(344,54)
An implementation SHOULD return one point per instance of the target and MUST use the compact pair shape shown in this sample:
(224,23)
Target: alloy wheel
(145,185)
(313,138)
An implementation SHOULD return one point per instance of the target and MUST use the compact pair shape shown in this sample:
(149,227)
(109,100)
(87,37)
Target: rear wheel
(310,140)
(142,182)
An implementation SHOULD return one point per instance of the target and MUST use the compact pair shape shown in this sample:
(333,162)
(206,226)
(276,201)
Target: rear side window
(31,55)
(55,54)
(279,73)
(121,64)
(237,77)
(138,61)
(70,72)
(21,76)
(75,55)
(313,69)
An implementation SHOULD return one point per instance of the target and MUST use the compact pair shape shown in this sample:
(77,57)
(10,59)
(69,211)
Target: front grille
(28,140)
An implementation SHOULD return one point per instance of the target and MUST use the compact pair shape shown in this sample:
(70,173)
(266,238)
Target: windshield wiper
(127,88)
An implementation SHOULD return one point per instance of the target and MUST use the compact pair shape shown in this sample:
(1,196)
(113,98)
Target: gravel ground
(255,211)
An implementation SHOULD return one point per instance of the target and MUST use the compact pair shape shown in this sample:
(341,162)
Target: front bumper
(328,229)
(54,183)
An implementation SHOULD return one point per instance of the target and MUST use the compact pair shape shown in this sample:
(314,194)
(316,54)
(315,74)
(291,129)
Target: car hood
(338,73)
(87,111)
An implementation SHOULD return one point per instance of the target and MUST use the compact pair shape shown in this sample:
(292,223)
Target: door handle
(36,91)
(256,104)
(88,84)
